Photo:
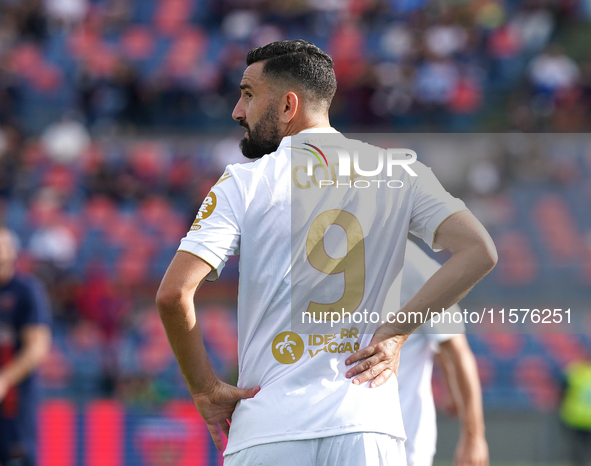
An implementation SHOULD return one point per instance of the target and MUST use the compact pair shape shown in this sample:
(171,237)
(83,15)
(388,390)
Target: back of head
(298,64)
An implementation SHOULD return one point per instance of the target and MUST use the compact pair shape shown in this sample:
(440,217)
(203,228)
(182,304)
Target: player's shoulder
(245,169)
(26,283)
(245,173)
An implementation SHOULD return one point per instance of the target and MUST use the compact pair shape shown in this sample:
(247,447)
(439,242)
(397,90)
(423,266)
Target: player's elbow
(167,298)
(489,256)
(480,253)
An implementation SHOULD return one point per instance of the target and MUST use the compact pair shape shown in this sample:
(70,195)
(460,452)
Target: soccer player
(415,371)
(299,401)
(25,338)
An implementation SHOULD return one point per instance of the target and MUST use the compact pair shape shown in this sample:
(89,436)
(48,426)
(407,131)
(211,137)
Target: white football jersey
(253,211)
(416,364)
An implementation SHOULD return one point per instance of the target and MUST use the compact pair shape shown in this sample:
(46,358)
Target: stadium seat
(504,346)
(138,43)
(563,348)
(517,265)
(533,375)
(557,227)
(99,212)
(172,15)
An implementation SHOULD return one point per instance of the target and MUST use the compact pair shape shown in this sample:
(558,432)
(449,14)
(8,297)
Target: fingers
(372,373)
(375,345)
(395,365)
(244,393)
(382,378)
(381,360)
(221,403)
(360,355)
(363,366)
(214,431)
(225,426)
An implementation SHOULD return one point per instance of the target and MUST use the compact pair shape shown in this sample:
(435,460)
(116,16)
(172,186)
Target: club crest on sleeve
(205,210)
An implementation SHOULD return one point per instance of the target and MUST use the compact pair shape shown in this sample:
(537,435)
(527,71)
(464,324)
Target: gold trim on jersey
(199,257)
(224,177)
(441,223)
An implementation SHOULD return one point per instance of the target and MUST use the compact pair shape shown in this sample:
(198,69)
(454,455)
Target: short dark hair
(298,63)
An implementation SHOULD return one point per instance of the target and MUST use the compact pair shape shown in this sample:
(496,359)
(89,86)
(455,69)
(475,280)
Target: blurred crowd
(99,221)
(100,208)
(412,65)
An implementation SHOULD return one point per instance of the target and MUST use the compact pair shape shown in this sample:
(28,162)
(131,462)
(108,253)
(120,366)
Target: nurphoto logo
(348,166)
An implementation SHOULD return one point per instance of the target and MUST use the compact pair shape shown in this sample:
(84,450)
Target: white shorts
(418,458)
(356,449)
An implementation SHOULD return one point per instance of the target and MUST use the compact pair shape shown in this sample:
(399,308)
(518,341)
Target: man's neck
(298,127)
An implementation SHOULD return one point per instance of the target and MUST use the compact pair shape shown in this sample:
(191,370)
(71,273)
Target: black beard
(264,138)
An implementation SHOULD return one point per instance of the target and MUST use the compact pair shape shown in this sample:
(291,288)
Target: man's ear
(289,106)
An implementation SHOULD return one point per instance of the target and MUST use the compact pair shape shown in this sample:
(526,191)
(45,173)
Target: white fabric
(359,449)
(307,396)
(416,364)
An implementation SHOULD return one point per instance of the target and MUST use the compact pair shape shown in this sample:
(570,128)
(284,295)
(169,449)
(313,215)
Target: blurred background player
(415,371)
(575,411)
(25,338)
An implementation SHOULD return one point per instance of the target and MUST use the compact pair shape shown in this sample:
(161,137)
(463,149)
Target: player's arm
(449,407)
(473,255)
(214,399)
(36,341)
(462,377)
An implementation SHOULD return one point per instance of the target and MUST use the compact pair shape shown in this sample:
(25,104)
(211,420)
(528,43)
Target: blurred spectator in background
(66,13)
(419,64)
(24,340)
(552,71)
(575,411)
(64,141)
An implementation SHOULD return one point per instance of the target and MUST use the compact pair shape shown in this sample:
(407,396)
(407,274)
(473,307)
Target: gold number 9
(352,264)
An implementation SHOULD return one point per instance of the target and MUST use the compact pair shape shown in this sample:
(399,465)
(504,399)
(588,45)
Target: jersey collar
(325,129)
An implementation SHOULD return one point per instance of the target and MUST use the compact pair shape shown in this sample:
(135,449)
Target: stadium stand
(420,66)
